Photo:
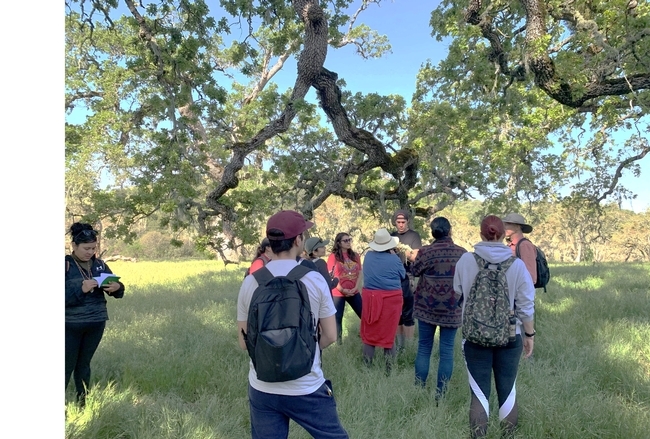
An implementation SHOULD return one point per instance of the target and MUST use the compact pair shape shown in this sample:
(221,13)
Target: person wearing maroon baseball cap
(272,404)
(286,224)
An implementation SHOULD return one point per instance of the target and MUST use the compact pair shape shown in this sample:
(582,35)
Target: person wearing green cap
(315,249)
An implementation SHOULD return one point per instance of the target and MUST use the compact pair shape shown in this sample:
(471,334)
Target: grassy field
(169,365)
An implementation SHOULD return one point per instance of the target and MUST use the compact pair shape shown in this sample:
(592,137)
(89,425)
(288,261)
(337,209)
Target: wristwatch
(530,335)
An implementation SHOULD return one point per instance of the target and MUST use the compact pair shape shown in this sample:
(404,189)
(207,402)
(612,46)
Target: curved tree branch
(310,62)
(619,171)
(541,64)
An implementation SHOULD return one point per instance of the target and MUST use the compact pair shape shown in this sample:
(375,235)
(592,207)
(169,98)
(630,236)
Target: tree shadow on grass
(158,337)
(170,350)
(176,346)
(617,289)
(608,310)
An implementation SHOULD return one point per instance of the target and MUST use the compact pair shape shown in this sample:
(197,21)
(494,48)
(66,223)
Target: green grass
(169,365)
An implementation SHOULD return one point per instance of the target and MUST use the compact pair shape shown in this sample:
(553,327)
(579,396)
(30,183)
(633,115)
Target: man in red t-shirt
(516,226)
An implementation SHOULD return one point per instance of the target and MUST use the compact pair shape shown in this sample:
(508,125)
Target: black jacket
(322,269)
(83,307)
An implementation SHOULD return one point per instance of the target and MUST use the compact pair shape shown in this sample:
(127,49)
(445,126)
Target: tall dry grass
(170,367)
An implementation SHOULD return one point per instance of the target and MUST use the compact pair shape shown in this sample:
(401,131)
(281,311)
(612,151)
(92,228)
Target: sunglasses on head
(346,240)
(87,233)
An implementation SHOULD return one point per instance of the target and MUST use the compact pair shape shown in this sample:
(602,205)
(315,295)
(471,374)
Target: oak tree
(173,102)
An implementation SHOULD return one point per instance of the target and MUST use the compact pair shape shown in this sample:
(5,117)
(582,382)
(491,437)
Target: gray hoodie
(520,284)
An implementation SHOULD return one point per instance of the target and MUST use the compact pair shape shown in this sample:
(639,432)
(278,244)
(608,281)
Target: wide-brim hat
(383,241)
(515,218)
(314,243)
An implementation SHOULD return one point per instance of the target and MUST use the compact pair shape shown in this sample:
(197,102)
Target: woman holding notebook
(85,305)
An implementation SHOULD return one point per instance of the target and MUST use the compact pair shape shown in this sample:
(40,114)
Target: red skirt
(380,316)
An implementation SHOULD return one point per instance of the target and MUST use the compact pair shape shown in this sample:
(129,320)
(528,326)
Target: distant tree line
(568,232)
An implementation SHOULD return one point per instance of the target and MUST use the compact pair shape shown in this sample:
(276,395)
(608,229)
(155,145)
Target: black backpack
(281,331)
(543,272)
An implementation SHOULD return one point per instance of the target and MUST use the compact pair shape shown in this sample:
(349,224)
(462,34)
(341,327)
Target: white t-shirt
(322,306)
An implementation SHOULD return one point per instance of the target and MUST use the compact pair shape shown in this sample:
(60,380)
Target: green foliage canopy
(179,108)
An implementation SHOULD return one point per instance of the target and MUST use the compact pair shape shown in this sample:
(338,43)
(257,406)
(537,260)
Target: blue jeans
(339,304)
(426,332)
(316,413)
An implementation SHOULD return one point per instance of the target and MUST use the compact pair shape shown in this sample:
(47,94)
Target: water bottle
(513,329)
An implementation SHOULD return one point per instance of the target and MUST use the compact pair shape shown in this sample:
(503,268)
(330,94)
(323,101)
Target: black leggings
(339,303)
(481,362)
(406,318)
(81,342)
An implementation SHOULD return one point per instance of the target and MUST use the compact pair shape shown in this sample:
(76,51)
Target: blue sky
(406,23)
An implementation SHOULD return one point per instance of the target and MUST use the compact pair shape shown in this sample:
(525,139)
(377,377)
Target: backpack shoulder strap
(504,266)
(479,261)
(298,272)
(517,246)
(507,263)
(263,276)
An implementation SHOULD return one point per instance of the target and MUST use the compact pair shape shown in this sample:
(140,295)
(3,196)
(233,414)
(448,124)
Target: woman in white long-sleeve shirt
(503,361)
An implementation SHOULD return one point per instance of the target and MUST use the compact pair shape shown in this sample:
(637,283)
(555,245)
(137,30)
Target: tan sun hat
(383,241)
(515,218)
